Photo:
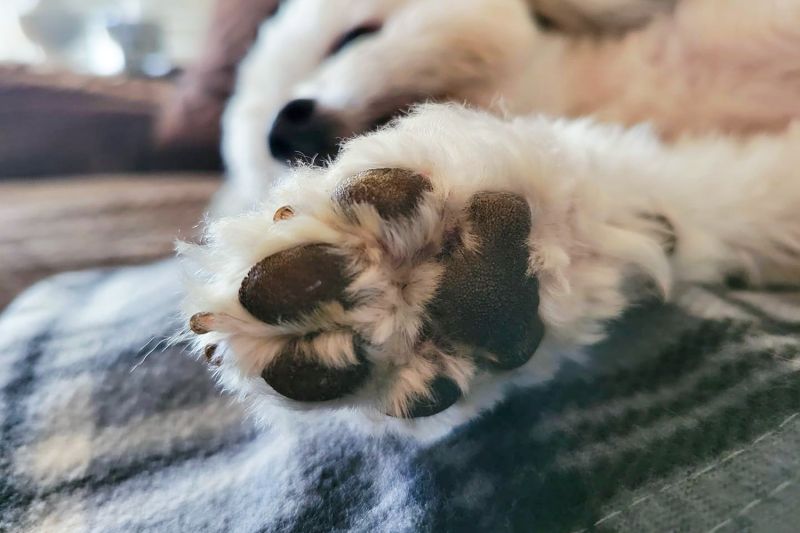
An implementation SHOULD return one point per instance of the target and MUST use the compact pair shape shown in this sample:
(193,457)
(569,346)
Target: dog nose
(300,131)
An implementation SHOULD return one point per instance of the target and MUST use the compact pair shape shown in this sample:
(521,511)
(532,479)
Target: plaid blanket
(685,419)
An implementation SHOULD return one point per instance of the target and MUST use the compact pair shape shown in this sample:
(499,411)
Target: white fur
(592,191)
(712,65)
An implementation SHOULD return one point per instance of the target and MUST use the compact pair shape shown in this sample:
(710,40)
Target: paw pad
(290,284)
(486,298)
(296,375)
(392,192)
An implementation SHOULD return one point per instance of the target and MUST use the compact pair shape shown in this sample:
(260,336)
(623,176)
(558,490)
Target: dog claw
(201,323)
(486,298)
(393,192)
(283,213)
(209,351)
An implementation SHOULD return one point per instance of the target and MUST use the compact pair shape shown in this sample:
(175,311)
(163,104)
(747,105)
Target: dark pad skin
(486,298)
(393,192)
(297,376)
(292,283)
(444,393)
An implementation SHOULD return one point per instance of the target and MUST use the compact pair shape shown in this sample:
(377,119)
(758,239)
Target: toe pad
(443,393)
(292,283)
(296,375)
(393,192)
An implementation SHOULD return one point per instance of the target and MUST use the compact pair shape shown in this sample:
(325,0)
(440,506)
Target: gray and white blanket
(685,419)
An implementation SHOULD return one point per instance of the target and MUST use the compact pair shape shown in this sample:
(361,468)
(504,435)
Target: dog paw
(405,299)
(424,270)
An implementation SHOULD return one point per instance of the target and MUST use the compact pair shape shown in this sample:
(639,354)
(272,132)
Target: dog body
(712,65)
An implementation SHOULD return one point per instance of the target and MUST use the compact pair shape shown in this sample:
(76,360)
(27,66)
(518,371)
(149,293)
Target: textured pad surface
(292,283)
(487,299)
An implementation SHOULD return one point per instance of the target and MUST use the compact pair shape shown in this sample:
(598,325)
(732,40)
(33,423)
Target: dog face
(325,70)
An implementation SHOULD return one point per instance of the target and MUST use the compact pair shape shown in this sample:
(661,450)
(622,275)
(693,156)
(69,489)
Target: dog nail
(393,192)
(209,352)
(283,213)
(201,323)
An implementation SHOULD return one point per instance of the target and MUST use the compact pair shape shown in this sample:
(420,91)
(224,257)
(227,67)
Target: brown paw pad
(486,298)
(443,393)
(297,375)
(393,192)
(290,284)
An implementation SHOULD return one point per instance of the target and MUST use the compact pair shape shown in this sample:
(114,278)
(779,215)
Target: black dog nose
(300,131)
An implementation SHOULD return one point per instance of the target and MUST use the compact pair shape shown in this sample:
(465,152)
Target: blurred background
(105,37)
(109,127)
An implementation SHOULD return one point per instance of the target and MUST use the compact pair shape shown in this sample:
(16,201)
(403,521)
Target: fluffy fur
(594,193)
(711,65)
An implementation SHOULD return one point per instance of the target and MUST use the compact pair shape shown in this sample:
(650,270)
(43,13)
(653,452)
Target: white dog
(441,259)
(325,70)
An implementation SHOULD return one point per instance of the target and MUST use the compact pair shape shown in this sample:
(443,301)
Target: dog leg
(455,249)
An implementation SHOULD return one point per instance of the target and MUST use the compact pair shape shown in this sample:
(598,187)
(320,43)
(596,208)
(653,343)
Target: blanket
(686,418)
